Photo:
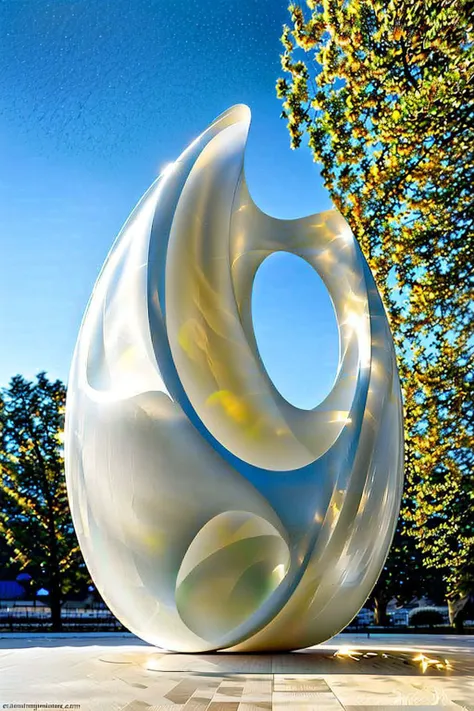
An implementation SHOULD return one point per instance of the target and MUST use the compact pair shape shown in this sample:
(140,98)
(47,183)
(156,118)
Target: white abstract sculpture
(212,513)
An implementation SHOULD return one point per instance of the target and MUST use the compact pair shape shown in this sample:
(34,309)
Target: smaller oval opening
(296,329)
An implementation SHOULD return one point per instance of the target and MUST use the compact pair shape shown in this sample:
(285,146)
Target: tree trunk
(55,604)
(55,592)
(456,609)
(380,610)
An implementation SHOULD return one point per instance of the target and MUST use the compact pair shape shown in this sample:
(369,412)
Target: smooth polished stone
(210,511)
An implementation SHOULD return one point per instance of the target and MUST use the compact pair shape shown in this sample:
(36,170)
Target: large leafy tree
(34,514)
(404,577)
(384,94)
(8,569)
(401,577)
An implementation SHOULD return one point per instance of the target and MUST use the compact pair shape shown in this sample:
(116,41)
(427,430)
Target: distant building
(11,590)
(364,618)
(398,617)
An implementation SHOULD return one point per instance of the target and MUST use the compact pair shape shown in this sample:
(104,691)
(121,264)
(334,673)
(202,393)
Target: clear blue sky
(96,97)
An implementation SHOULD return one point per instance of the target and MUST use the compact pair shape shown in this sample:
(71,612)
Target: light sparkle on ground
(351,673)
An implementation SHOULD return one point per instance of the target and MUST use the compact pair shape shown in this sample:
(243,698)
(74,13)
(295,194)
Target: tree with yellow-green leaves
(383,92)
(35,521)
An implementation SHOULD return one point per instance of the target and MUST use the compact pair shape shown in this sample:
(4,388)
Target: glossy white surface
(211,512)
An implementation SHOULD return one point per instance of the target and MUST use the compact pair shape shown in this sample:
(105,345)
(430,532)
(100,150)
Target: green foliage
(35,521)
(426,618)
(404,577)
(384,94)
(401,577)
(7,564)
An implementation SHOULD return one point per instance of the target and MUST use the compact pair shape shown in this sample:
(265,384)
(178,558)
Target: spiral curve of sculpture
(211,512)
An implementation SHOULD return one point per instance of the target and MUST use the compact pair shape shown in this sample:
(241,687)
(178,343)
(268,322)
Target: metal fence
(16,619)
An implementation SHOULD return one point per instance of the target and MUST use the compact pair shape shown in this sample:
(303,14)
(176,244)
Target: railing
(73,620)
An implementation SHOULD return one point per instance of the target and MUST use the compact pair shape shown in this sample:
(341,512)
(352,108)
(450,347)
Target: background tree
(401,577)
(8,569)
(404,577)
(384,94)
(34,513)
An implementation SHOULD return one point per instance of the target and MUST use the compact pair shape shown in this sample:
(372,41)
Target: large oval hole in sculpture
(296,329)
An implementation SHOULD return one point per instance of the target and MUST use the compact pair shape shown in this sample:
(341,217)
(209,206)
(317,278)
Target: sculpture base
(352,672)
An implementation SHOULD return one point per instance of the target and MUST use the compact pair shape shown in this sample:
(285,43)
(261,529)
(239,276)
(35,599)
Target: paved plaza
(351,673)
